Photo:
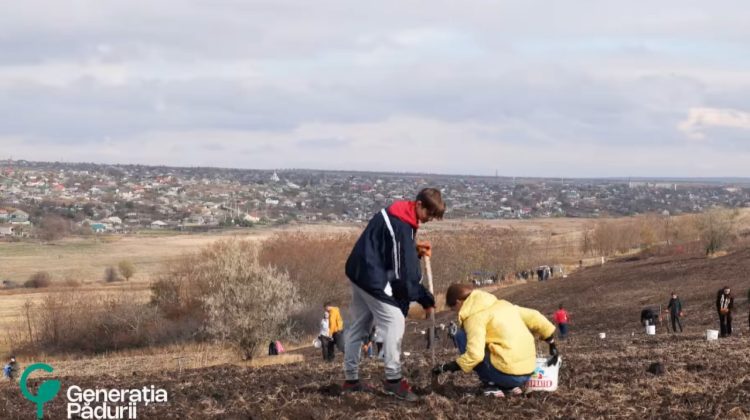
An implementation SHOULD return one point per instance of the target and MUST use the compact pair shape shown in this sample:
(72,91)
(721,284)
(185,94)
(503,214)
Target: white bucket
(712,335)
(544,377)
(317,343)
(651,329)
(602,335)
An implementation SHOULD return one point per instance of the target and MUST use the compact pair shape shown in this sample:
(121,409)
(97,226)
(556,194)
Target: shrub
(251,306)
(226,291)
(66,322)
(10,284)
(110,275)
(38,280)
(71,282)
(53,227)
(127,269)
(717,228)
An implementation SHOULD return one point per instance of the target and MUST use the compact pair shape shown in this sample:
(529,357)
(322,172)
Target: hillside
(610,297)
(600,378)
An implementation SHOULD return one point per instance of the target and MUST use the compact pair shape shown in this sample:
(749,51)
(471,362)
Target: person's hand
(553,352)
(424,249)
(428,312)
(446,367)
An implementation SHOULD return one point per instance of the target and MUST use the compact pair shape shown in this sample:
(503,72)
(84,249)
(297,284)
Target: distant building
(98,227)
(19,216)
(158,224)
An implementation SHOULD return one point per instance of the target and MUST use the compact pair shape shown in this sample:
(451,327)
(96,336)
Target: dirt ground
(600,379)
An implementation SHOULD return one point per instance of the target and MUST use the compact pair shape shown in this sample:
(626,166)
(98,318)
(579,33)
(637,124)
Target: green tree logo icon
(47,389)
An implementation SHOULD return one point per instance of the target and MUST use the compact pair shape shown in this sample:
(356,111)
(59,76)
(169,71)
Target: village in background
(51,200)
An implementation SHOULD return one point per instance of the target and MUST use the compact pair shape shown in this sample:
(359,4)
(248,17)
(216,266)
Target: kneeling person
(496,340)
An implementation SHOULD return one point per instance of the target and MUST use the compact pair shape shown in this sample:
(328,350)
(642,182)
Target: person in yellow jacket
(335,328)
(496,340)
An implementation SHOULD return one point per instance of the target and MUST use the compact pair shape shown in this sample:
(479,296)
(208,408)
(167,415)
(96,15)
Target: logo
(92,403)
(47,389)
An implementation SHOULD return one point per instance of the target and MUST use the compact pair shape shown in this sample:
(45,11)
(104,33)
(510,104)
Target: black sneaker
(400,390)
(357,387)
(492,391)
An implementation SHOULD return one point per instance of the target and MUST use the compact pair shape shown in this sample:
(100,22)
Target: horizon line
(407,173)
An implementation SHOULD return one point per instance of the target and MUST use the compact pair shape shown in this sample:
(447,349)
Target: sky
(581,88)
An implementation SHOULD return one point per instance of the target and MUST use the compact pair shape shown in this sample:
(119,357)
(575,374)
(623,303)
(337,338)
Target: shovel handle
(428,270)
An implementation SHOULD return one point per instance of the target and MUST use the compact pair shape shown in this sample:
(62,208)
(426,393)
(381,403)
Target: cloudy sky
(526,88)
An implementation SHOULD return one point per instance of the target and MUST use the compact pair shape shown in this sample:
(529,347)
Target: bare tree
(250,304)
(53,227)
(717,228)
(127,269)
(110,275)
(38,280)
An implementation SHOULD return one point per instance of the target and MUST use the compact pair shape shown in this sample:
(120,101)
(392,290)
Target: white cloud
(701,119)
(392,84)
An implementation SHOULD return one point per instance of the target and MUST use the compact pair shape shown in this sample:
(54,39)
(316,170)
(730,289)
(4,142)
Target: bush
(71,282)
(252,304)
(53,227)
(69,322)
(38,280)
(717,229)
(127,269)
(226,291)
(110,275)
(10,284)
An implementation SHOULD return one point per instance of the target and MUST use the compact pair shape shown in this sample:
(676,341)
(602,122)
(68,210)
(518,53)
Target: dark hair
(432,201)
(327,304)
(561,306)
(456,292)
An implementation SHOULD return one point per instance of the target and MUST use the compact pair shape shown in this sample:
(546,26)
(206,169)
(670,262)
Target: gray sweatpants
(365,310)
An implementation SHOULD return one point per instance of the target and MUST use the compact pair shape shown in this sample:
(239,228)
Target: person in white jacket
(325,338)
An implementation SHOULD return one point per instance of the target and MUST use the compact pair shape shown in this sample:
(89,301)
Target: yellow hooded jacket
(505,330)
(335,323)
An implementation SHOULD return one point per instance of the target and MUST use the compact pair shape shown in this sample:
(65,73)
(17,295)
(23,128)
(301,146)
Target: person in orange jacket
(335,329)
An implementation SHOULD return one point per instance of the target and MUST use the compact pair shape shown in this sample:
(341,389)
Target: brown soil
(599,379)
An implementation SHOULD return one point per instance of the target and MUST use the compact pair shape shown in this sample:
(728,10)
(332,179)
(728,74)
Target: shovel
(428,270)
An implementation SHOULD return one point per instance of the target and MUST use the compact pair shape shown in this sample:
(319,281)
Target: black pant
(676,322)
(338,340)
(725,324)
(326,346)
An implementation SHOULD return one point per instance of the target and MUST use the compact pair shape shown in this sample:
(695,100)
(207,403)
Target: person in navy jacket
(384,268)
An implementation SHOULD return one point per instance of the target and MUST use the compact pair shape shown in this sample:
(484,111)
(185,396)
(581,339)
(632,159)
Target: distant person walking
(385,274)
(561,318)
(675,311)
(724,306)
